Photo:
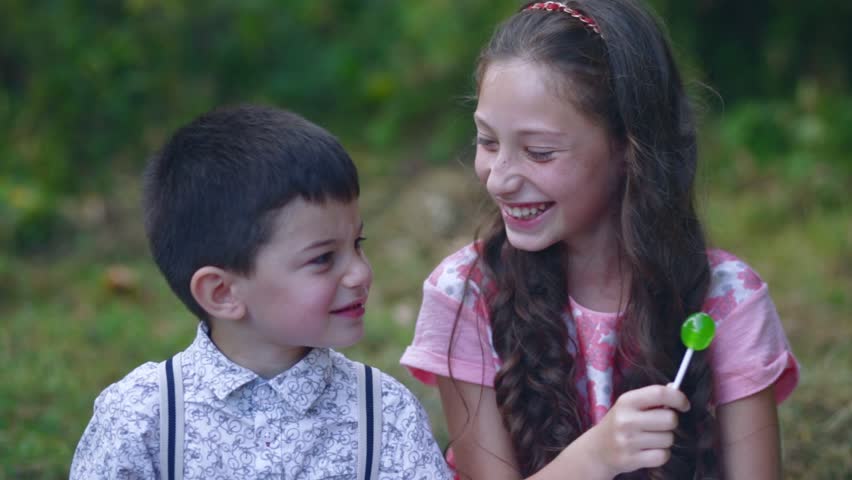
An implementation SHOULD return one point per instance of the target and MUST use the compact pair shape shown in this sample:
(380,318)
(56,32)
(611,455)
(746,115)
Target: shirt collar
(215,370)
(299,386)
(303,383)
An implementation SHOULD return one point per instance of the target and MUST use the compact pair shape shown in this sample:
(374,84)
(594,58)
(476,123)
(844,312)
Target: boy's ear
(213,289)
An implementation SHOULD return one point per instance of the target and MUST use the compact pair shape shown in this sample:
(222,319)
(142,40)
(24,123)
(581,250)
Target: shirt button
(267,436)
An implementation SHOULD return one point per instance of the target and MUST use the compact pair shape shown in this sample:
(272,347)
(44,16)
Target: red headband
(561,7)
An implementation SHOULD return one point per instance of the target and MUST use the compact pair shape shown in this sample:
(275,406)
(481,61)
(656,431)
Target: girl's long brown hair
(627,80)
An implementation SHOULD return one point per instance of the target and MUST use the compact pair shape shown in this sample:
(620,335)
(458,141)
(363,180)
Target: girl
(551,339)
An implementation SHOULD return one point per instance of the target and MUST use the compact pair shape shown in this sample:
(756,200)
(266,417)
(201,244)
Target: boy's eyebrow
(320,243)
(330,241)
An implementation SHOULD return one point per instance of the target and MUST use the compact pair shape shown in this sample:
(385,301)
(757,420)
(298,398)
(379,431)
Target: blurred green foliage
(762,49)
(91,87)
(88,87)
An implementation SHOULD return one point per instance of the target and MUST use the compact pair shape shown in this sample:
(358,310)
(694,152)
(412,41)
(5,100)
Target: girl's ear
(213,289)
(619,153)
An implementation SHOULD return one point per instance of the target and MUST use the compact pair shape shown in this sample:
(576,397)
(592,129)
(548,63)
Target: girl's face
(549,168)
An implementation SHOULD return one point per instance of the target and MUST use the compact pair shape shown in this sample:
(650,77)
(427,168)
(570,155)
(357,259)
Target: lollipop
(696,333)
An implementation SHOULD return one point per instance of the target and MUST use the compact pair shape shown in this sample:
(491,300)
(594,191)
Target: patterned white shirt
(301,424)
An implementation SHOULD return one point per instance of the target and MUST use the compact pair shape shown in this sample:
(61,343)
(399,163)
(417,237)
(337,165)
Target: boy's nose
(359,274)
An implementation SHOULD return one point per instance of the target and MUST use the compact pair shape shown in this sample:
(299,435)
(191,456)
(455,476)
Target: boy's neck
(249,350)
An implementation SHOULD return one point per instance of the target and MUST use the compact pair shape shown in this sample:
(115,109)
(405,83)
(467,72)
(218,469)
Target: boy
(252,217)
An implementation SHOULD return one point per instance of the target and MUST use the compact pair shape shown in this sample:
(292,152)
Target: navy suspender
(172,420)
(369,421)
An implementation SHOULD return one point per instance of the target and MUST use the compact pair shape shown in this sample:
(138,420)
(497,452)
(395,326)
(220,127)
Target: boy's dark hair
(210,195)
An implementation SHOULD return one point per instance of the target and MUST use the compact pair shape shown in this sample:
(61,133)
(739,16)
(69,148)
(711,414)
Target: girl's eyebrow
(530,131)
(478,120)
(525,132)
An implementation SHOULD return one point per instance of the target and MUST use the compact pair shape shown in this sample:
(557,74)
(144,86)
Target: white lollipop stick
(682,370)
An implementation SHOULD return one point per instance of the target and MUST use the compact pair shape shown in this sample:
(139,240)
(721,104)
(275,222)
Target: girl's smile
(525,216)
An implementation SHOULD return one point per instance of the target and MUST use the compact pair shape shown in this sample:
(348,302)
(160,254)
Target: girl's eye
(359,243)
(486,143)
(323,259)
(540,156)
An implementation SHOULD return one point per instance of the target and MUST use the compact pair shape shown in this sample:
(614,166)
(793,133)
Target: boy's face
(311,279)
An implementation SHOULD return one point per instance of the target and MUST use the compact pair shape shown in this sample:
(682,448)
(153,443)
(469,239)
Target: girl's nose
(503,178)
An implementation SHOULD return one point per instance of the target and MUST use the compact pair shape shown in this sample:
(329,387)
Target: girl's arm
(749,434)
(635,433)
(482,447)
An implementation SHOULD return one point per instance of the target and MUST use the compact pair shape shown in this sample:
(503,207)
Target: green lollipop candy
(696,333)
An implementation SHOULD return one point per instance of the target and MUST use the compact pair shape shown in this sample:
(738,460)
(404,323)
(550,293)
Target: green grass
(68,331)
(803,250)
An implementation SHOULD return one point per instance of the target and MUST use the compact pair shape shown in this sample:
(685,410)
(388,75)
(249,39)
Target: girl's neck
(596,274)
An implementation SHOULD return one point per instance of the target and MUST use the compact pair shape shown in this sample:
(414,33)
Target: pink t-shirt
(749,352)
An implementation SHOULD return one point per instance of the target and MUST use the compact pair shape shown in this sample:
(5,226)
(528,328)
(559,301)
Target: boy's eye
(359,242)
(323,259)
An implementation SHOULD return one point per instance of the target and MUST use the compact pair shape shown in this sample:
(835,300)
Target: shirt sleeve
(117,443)
(750,351)
(472,358)
(409,449)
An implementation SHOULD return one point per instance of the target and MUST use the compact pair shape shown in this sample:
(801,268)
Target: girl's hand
(637,432)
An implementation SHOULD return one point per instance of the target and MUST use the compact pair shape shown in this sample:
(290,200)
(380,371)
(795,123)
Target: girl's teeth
(526,212)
